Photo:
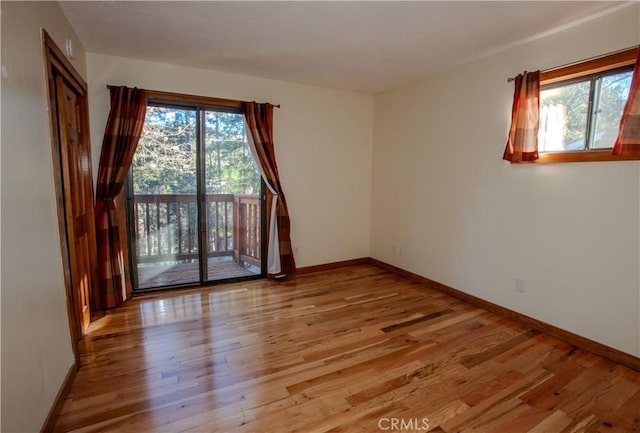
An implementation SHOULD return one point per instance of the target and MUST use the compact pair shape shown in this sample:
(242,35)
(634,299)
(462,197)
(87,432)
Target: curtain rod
(194,98)
(511,79)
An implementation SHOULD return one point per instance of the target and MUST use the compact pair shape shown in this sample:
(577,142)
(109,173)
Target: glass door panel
(165,208)
(232,202)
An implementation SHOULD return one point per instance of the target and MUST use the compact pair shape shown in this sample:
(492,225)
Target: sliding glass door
(195,199)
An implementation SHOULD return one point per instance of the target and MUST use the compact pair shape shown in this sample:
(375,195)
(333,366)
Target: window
(581,106)
(583,114)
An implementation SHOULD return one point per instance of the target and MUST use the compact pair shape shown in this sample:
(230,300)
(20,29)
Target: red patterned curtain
(628,141)
(259,118)
(522,144)
(121,135)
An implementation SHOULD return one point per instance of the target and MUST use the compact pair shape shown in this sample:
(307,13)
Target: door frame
(57,65)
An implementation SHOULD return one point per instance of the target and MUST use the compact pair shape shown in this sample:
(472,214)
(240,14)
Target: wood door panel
(78,192)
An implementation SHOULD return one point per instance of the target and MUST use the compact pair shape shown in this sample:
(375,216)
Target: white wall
(467,219)
(36,346)
(323,141)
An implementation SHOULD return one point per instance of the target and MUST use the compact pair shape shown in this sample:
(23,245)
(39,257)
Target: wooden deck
(354,349)
(186,271)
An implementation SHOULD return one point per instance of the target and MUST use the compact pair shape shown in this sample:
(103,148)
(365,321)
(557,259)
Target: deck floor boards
(186,271)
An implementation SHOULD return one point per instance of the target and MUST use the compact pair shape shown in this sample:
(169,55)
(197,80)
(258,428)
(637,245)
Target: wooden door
(75,159)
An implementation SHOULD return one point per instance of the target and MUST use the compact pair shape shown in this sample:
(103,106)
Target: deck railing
(166,227)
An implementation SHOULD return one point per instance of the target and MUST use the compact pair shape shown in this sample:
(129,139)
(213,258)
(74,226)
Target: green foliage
(229,166)
(613,96)
(165,160)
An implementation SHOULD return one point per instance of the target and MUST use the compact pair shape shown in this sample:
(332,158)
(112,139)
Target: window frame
(566,74)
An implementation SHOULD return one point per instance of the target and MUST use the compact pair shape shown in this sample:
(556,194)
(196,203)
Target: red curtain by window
(522,144)
(259,118)
(121,135)
(628,141)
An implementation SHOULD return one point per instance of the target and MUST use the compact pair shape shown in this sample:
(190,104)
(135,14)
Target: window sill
(581,156)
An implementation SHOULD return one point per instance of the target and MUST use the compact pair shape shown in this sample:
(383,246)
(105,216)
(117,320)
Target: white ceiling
(360,46)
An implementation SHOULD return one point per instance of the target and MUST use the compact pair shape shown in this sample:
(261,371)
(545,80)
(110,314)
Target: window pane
(229,164)
(165,159)
(563,117)
(233,220)
(164,195)
(613,95)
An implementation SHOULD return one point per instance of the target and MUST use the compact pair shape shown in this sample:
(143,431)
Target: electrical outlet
(519,285)
(401,251)
(394,250)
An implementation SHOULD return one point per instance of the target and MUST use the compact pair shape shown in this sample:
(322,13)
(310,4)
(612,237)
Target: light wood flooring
(354,349)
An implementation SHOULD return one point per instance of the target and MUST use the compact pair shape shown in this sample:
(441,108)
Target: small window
(581,106)
(583,114)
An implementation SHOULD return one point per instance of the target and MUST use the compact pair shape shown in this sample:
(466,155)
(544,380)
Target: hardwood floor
(354,349)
